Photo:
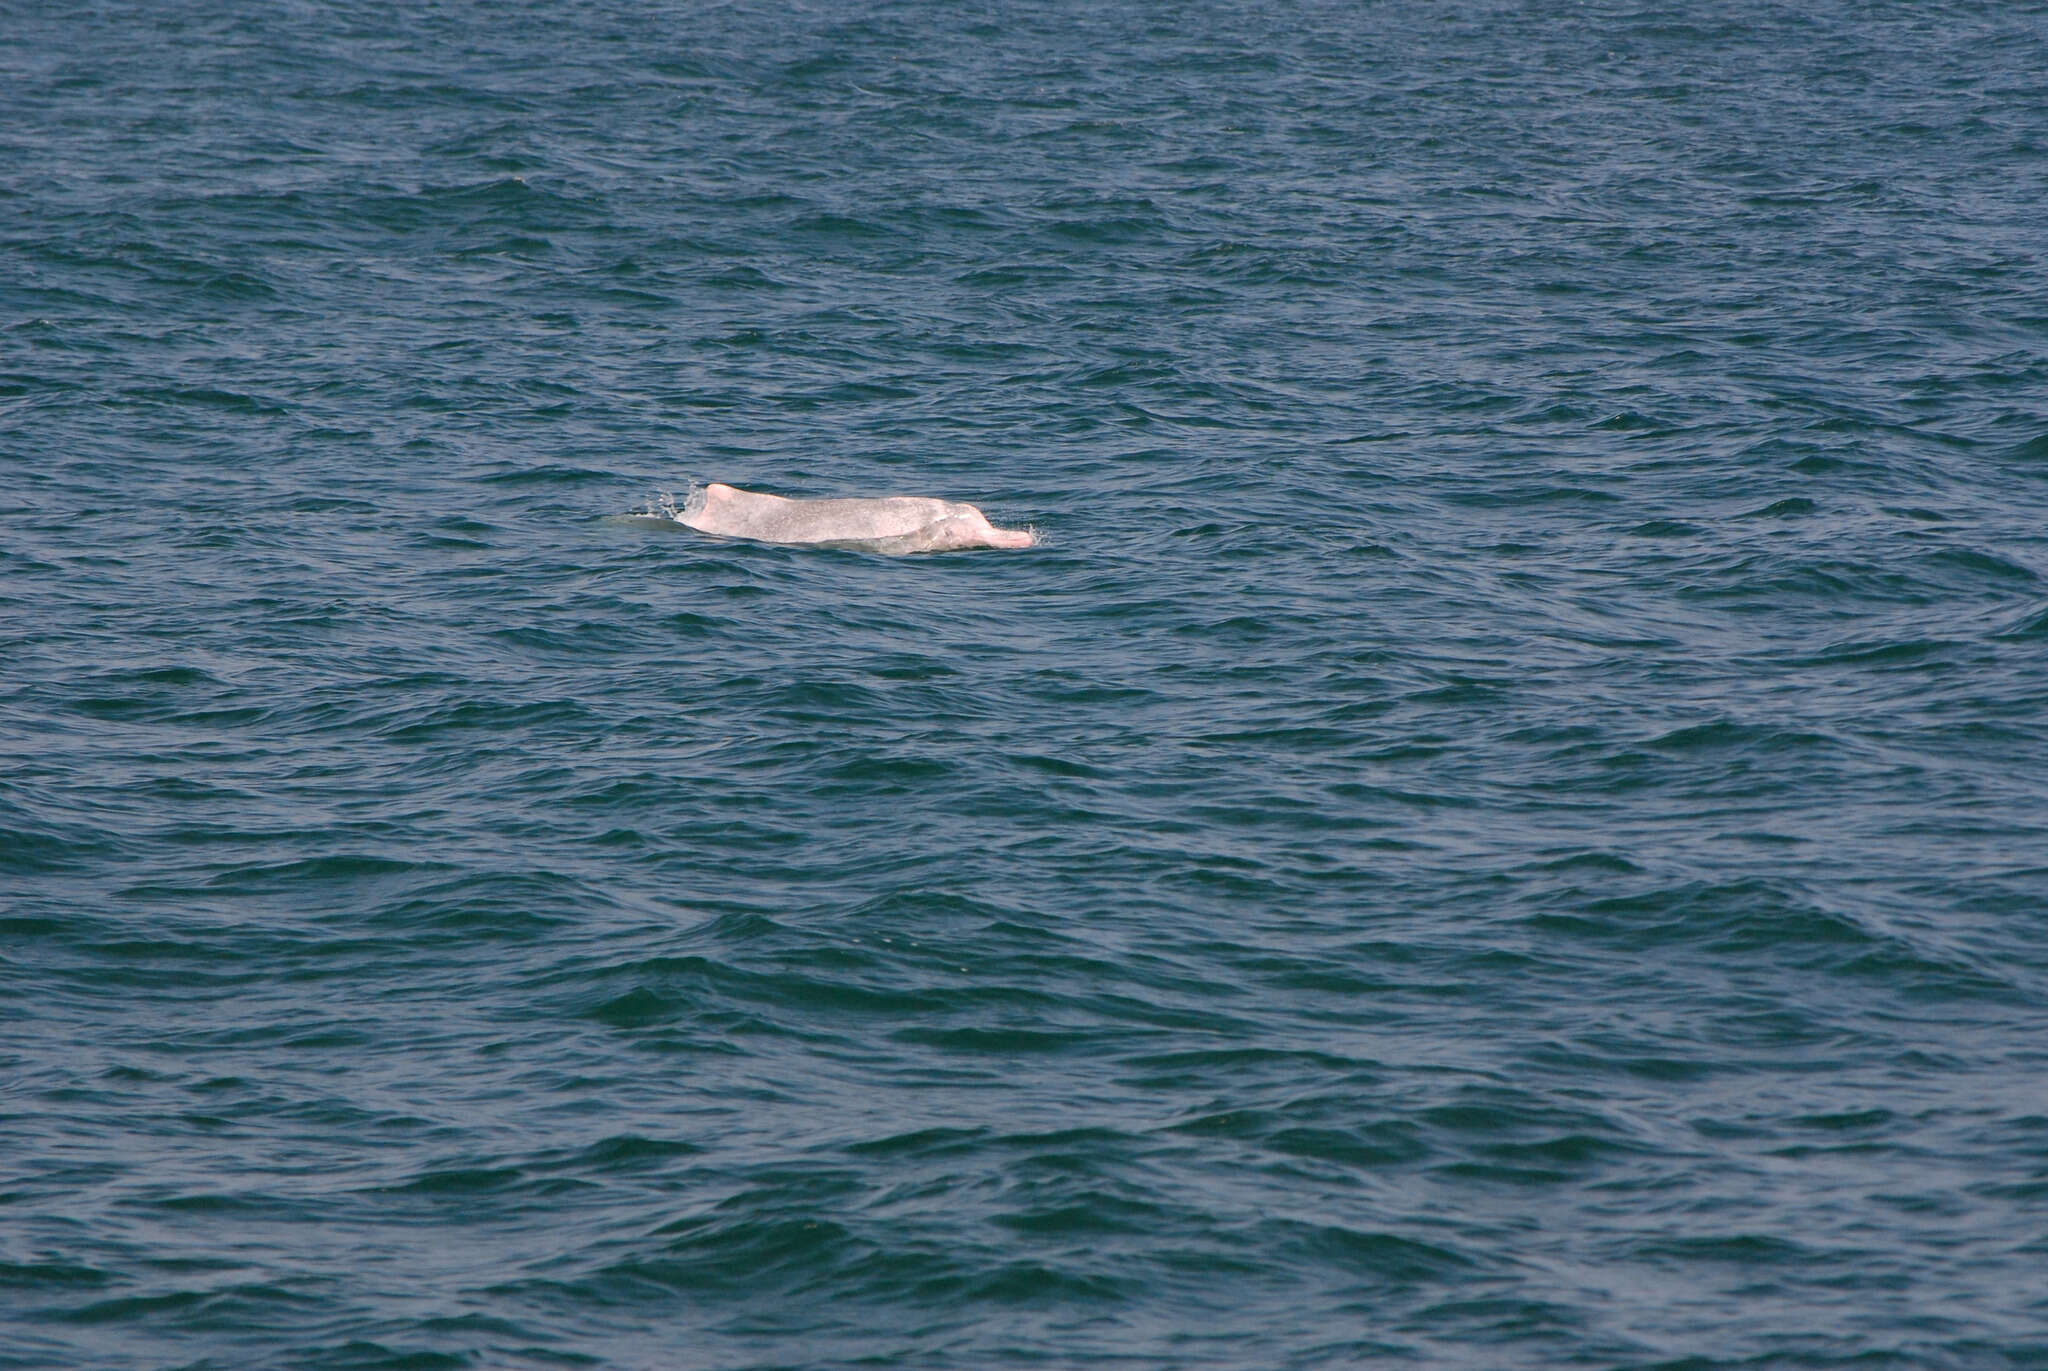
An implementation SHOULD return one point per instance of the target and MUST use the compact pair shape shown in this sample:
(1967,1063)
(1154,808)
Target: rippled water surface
(1502,824)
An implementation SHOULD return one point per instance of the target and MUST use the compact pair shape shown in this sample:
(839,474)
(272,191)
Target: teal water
(1502,825)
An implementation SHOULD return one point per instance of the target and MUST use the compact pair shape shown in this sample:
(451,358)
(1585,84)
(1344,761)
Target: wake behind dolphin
(895,523)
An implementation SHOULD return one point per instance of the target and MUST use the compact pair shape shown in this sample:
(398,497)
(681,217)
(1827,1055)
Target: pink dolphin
(895,523)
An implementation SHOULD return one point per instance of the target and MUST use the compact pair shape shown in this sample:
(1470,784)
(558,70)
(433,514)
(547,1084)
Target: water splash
(662,504)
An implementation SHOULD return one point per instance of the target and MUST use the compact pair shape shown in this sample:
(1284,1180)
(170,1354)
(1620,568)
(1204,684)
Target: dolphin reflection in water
(895,523)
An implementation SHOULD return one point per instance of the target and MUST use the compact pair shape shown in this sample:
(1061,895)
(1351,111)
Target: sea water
(1505,824)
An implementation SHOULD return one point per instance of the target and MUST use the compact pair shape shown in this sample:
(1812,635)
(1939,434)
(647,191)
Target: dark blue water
(1505,824)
